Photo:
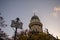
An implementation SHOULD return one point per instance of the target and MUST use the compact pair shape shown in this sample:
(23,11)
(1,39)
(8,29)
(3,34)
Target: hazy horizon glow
(47,10)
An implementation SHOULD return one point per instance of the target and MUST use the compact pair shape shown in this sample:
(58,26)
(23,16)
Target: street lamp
(16,24)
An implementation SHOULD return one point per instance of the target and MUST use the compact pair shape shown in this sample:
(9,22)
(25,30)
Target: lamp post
(16,24)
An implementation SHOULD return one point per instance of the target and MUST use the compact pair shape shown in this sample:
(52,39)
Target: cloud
(57,9)
(55,14)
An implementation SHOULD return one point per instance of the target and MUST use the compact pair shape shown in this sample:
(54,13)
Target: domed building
(35,24)
(35,31)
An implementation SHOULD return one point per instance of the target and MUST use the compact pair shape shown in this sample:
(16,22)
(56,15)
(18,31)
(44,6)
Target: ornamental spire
(34,13)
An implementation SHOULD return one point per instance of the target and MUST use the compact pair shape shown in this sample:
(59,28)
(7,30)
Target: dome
(35,17)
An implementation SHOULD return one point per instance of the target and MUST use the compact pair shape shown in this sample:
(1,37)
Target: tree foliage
(35,36)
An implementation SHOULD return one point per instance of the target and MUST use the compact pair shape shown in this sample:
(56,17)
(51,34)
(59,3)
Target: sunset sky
(47,10)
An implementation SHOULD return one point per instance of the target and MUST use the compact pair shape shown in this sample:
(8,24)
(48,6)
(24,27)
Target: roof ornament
(35,11)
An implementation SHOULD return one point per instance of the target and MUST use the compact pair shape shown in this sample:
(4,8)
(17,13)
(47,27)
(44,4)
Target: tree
(2,21)
(2,24)
(36,36)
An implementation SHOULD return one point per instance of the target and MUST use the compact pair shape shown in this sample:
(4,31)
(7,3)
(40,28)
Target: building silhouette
(35,31)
